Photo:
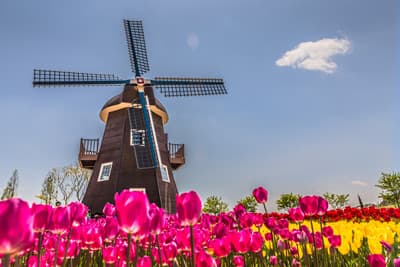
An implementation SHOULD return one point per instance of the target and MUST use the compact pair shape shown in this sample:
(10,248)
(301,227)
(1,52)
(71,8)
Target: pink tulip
(78,212)
(296,214)
(327,231)
(144,261)
(204,260)
(170,251)
(335,240)
(188,207)
(41,214)
(238,261)
(309,205)
(109,210)
(241,240)
(16,226)
(396,262)
(322,206)
(296,263)
(376,260)
(260,194)
(110,230)
(273,260)
(256,242)
(157,219)
(60,220)
(221,247)
(109,254)
(132,208)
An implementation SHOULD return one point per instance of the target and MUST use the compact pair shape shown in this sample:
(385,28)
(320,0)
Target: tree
(287,201)
(214,205)
(79,178)
(11,188)
(389,183)
(249,203)
(49,193)
(336,201)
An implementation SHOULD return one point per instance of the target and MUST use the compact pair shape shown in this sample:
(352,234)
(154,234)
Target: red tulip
(41,214)
(260,194)
(60,220)
(188,207)
(109,210)
(309,205)
(16,226)
(132,208)
(376,260)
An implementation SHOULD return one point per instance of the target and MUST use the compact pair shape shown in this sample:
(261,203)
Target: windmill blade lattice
(43,78)
(171,87)
(136,46)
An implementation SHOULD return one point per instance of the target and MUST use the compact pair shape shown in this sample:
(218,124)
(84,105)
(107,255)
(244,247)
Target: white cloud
(193,41)
(359,183)
(315,55)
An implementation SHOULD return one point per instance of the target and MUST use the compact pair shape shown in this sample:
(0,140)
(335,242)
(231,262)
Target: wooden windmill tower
(134,152)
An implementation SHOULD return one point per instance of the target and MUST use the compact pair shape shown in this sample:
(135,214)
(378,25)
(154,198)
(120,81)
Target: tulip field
(134,232)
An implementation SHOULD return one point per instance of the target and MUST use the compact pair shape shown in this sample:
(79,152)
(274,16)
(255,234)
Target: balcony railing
(89,148)
(176,155)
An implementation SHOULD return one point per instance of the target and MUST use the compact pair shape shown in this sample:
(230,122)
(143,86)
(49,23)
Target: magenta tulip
(110,230)
(157,219)
(204,260)
(16,226)
(256,242)
(170,250)
(335,241)
(238,261)
(77,212)
(260,194)
(322,206)
(188,207)
(41,215)
(376,260)
(396,262)
(241,240)
(273,260)
(109,210)
(296,214)
(309,205)
(60,220)
(132,209)
(109,254)
(144,261)
(221,247)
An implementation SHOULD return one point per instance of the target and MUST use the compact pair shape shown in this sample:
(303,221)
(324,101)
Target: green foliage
(389,183)
(249,203)
(11,188)
(214,205)
(336,201)
(287,201)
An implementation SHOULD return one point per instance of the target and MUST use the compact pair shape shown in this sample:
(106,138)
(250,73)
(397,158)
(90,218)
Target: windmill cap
(126,99)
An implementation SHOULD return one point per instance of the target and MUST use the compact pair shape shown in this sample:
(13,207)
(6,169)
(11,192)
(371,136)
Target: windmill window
(164,173)
(139,189)
(138,137)
(105,172)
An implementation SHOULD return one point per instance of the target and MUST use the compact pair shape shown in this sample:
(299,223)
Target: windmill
(134,152)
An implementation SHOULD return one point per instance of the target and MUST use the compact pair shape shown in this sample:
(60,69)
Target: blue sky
(297,127)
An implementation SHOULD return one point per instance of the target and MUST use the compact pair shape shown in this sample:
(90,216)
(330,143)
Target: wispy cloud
(193,41)
(359,183)
(315,55)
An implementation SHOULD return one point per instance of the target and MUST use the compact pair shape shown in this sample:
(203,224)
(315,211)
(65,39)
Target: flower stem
(192,245)
(128,251)
(265,208)
(6,261)
(159,251)
(57,247)
(40,240)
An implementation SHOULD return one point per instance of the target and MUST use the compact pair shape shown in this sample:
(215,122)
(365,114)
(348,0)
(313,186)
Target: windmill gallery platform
(134,152)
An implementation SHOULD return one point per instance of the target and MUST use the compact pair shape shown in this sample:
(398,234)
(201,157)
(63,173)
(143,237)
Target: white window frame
(143,137)
(139,189)
(100,178)
(164,179)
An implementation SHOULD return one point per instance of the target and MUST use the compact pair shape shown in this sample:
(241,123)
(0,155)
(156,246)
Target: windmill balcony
(88,151)
(176,155)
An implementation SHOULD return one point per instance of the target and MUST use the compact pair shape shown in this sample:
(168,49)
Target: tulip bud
(260,194)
